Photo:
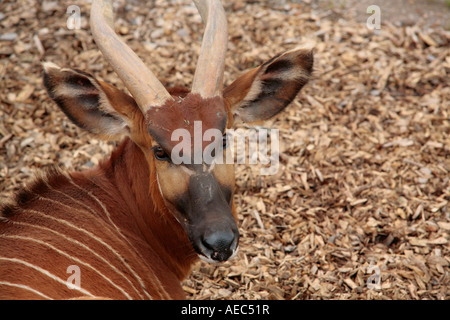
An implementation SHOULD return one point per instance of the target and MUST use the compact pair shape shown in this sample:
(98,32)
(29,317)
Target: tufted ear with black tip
(91,104)
(263,92)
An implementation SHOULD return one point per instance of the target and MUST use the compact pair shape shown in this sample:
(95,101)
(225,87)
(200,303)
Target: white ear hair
(50,65)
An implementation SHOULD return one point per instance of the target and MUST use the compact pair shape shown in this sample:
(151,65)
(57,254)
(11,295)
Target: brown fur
(182,114)
(138,211)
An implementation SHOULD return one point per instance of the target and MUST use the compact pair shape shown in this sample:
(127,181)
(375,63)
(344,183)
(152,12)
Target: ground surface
(431,13)
(360,206)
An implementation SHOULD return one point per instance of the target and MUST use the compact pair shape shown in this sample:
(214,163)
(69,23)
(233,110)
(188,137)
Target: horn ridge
(208,77)
(146,89)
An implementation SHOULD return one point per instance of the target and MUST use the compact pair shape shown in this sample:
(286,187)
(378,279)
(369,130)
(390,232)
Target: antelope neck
(127,170)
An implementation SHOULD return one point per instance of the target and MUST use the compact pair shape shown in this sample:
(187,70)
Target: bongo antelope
(135,224)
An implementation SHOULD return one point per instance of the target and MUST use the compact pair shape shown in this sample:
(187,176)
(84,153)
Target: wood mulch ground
(359,208)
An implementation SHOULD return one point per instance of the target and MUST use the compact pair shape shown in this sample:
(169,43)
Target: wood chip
(364,153)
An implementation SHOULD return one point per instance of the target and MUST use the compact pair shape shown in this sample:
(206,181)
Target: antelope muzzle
(211,225)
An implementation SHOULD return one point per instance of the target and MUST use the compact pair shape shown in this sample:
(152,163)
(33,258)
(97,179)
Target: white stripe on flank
(70,197)
(85,247)
(93,236)
(70,257)
(105,210)
(84,206)
(4,283)
(45,272)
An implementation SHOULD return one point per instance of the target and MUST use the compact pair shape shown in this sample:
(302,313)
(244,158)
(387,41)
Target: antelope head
(199,194)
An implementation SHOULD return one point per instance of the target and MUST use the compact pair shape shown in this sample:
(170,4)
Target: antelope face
(193,177)
(181,135)
(200,197)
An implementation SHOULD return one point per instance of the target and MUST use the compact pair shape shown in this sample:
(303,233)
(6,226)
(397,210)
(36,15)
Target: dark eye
(160,154)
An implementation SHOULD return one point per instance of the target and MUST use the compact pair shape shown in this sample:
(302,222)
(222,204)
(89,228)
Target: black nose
(221,244)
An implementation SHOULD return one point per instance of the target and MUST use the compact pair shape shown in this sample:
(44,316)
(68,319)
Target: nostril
(219,240)
(221,243)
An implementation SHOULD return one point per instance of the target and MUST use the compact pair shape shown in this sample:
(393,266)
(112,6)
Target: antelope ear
(91,104)
(263,92)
